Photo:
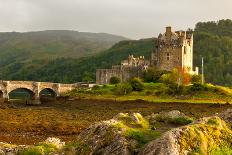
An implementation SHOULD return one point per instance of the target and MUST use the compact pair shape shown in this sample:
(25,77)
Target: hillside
(34,49)
(72,70)
(212,40)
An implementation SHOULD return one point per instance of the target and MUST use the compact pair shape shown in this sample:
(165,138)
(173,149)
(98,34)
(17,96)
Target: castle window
(168,56)
(184,49)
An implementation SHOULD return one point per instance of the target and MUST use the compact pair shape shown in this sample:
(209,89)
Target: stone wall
(103,76)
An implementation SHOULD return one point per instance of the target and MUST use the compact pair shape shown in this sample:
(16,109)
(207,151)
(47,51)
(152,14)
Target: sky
(133,19)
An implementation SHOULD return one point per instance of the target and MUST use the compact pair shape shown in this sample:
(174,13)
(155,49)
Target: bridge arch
(21,93)
(48,92)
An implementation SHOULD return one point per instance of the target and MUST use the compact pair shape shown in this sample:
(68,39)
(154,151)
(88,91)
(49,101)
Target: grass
(39,149)
(139,131)
(158,92)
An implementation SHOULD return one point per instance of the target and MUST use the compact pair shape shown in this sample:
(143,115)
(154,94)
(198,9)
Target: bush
(152,75)
(123,89)
(197,87)
(167,79)
(196,79)
(136,84)
(114,80)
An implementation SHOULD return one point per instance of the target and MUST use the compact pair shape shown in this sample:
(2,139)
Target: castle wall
(103,75)
(169,58)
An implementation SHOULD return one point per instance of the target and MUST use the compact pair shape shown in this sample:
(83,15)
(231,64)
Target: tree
(114,80)
(136,84)
(152,74)
(196,79)
(87,77)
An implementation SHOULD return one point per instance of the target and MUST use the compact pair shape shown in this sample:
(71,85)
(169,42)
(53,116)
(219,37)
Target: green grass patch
(39,149)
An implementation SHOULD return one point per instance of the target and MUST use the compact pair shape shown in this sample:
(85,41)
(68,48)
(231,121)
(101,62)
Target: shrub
(96,87)
(114,80)
(167,79)
(196,79)
(123,89)
(136,84)
(197,87)
(152,75)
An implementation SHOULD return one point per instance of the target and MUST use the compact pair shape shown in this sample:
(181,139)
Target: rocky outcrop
(173,116)
(112,136)
(9,149)
(226,116)
(205,136)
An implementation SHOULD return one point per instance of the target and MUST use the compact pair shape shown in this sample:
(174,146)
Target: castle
(132,67)
(173,50)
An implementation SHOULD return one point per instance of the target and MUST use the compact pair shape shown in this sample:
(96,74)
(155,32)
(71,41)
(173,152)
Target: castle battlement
(174,50)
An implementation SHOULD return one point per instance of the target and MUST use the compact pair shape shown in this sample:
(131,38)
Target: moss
(39,149)
(181,120)
(139,131)
(223,149)
(178,120)
(142,136)
(206,138)
(213,122)
(77,147)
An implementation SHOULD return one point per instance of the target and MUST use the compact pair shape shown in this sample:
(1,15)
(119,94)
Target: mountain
(69,70)
(212,40)
(33,50)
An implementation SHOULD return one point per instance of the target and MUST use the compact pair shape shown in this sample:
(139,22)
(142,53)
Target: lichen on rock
(209,135)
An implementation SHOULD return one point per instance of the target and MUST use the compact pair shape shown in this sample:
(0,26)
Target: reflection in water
(22,94)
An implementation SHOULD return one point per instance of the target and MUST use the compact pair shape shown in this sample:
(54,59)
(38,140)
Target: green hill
(49,45)
(212,40)
(70,70)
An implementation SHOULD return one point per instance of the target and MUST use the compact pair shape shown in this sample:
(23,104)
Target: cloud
(130,18)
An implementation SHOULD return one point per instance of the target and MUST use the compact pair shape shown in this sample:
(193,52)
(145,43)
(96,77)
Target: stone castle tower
(174,50)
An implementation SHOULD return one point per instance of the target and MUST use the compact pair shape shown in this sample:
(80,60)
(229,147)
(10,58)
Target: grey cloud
(130,18)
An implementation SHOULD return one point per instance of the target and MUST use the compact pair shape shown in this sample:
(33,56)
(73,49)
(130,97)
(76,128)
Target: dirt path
(21,124)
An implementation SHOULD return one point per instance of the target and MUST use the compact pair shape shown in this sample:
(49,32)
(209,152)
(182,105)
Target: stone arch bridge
(34,88)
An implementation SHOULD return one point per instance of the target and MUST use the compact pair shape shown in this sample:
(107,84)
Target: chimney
(168,31)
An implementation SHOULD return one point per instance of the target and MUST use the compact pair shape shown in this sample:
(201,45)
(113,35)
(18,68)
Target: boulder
(208,135)
(109,137)
(173,116)
(226,116)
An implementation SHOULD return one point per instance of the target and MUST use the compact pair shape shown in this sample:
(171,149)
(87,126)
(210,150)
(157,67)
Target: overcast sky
(130,18)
